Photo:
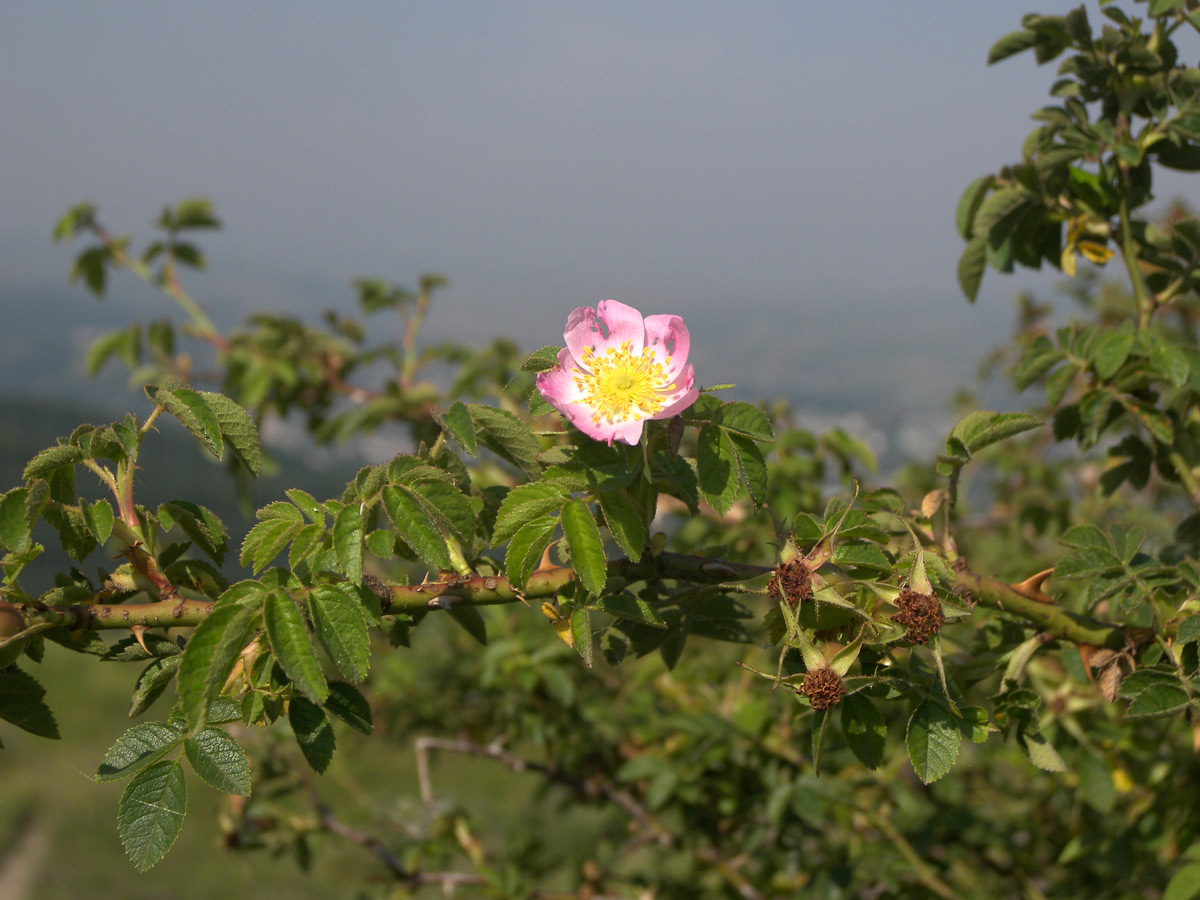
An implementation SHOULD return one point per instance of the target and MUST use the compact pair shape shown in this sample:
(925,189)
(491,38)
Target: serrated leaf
(864,729)
(1041,752)
(968,204)
(1109,351)
(267,539)
(470,619)
(1012,43)
(308,504)
(21,703)
(99,519)
(623,606)
(523,504)
(1159,699)
(342,629)
(237,428)
(293,646)
(460,427)
(136,748)
(151,683)
(415,527)
(201,525)
(525,549)
(716,465)
(587,547)
(541,360)
(971,265)
(347,703)
(624,523)
(448,505)
(982,428)
(506,436)
(580,624)
(217,758)
(194,413)
(150,814)
(209,657)
(348,541)
(15,532)
(746,419)
(753,468)
(313,733)
(933,740)
(50,459)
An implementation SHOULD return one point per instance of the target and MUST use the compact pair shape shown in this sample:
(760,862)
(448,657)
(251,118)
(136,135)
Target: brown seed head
(792,582)
(823,688)
(920,614)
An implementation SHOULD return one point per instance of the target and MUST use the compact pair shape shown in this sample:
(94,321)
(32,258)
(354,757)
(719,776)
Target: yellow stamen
(621,386)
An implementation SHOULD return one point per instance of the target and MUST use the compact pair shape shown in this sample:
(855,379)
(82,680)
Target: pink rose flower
(618,370)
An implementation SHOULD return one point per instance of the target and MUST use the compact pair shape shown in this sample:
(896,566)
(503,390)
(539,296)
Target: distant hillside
(172,467)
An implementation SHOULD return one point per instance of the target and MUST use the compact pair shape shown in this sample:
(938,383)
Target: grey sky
(794,164)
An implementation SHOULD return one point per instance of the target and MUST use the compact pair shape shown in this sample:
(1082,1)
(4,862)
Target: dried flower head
(920,614)
(823,688)
(792,582)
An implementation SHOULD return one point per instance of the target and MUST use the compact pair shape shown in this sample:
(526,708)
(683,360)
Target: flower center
(620,386)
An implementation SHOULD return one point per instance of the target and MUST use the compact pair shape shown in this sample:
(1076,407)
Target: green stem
(1053,620)
(1141,297)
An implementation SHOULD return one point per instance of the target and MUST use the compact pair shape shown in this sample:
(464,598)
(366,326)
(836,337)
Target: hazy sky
(793,164)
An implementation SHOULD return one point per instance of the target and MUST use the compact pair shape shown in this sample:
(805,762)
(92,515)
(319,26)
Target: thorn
(138,632)
(1031,587)
(545,562)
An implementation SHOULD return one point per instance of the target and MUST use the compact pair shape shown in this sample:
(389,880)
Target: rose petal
(668,338)
(611,324)
(683,383)
(557,385)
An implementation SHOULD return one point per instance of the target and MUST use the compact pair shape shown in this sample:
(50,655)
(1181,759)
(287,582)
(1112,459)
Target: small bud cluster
(792,582)
(823,688)
(920,614)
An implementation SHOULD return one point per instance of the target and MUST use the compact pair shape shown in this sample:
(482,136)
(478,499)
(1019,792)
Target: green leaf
(1011,44)
(293,647)
(151,683)
(267,539)
(746,419)
(342,629)
(50,459)
(581,634)
(1041,752)
(447,505)
(238,430)
(1169,360)
(21,703)
(968,204)
(971,266)
(624,523)
(136,748)
(15,532)
(982,428)
(99,519)
(348,541)
(347,703)
(210,654)
(217,758)
(933,740)
(716,463)
(623,606)
(506,436)
(194,413)
(415,527)
(525,549)
(313,732)
(587,547)
(470,619)
(1110,350)
(753,468)
(864,729)
(1159,699)
(1184,884)
(541,360)
(150,814)
(201,525)
(460,427)
(523,504)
